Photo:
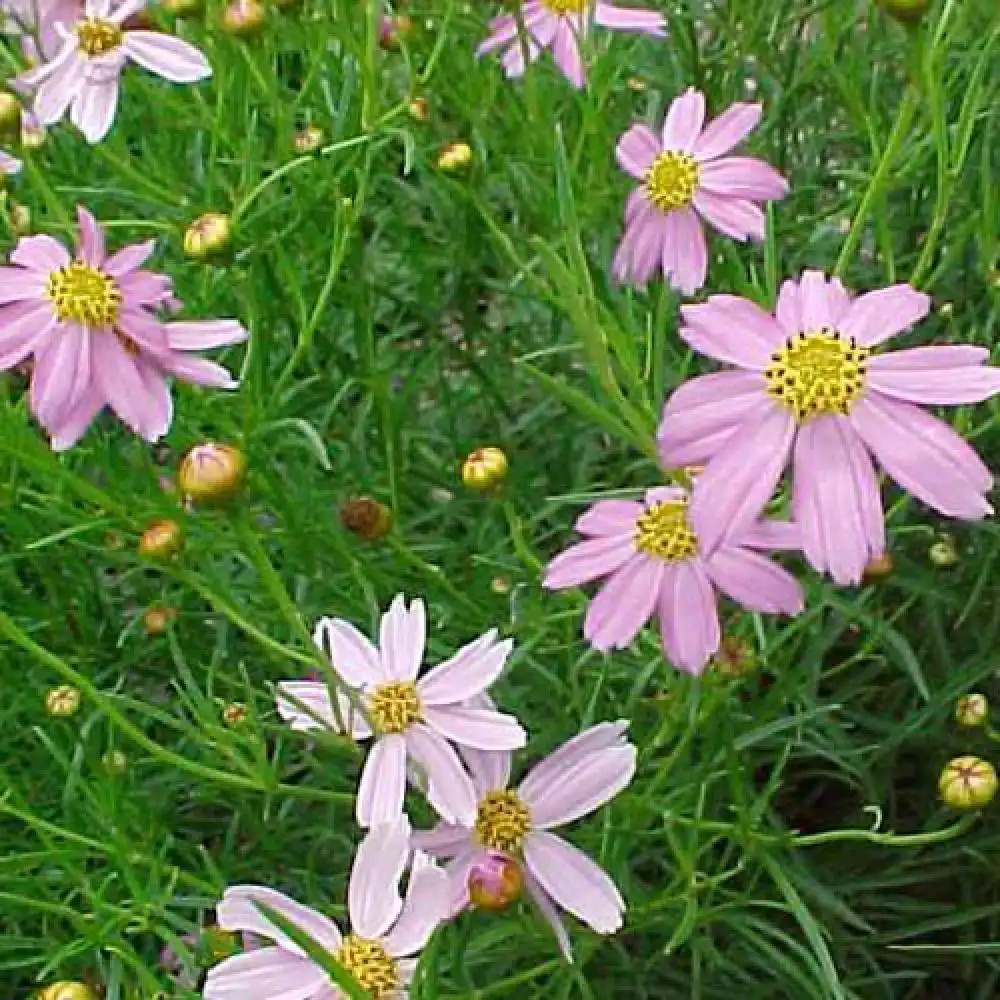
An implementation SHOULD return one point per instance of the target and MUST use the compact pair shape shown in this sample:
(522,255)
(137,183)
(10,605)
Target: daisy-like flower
(573,781)
(82,77)
(559,25)
(385,932)
(655,563)
(810,385)
(687,176)
(407,717)
(90,325)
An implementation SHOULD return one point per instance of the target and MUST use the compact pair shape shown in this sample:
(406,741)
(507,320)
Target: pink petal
(685,255)
(373,899)
(639,253)
(636,150)
(93,109)
(689,619)
(740,479)
(818,307)
(476,727)
(143,329)
(471,670)
(504,29)
(490,769)
(167,56)
(202,334)
(924,455)
(727,131)
(383,782)
(788,311)
(754,581)
(589,560)
(40,253)
(61,374)
(237,912)
(118,378)
(315,697)
(648,22)
(402,634)
(574,881)
(445,840)
(90,242)
(736,217)
(198,371)
(548,910)
(73,422)
(609,517)
(772,534)
(353,657)
(743,177)
(264,974)
(24,327)
(702,414)
(876,316)
(566,53)
(684,120)
(159,407)
(128,259)
(61,88)
(521,52)
(935,375)
(733,330)
(624,603)
(17,284)
(428,902)
(449,790)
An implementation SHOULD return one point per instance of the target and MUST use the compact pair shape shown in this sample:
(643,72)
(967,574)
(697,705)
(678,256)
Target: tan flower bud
(161,540)
(943,554)
(879,568)
(182,8)
(455,156)
(393,30)
(243,18)
(63,701)
(968,783)
(209,237)
(211,472)
(158,619)
(366,518)
(20,218)
(484,469)
(66,990)
(10,117)
(115,762)
(33,133)
(500,585)
(494,882)
(234,713)
(308,139)
(972,710)
(419,108)
(637,84)
(734,658)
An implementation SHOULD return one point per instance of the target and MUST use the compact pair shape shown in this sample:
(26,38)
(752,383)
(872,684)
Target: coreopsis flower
(655,562)
(82,77)
(385,934)
(559,25)
(91,324)
(406,717)
(809,385)
(573,781)
(687,176)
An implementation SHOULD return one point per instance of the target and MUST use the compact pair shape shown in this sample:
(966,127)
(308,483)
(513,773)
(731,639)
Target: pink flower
(36,21)
(573,781)
(83,75)
(809,386)
(655,562)
(412,718)
(686,174)
(385,931)
(89,323)
(559,25)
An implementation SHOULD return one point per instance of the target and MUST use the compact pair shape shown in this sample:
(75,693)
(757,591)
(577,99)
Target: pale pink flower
(573,781)
(90,324)
(687,176)
(413,718)
(655,563)
(82,77)
(559,25)
(36,21)
(808,385)
(385,934)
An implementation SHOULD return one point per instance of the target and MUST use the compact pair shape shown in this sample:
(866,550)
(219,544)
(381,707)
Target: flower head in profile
(573,781)
(653,562)
(90,322)
(811,387)
(82,76)
(385,933)
(406,717)
(559,25)
(687,176)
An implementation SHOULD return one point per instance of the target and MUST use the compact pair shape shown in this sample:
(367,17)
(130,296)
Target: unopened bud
(115,762)
(943,553)
(636,84)
(158,619)
(10,117)
(392,30)
(879,568)
(366,518)
(211,472)
(234,713)
(33,132)
(494,882)
(419,108)
(484,469)
(500,585)
(906,11)
(182,8)
(972,710)
(968,783)
(63,701)
(455,156)
(20,218)
(946,310)
(208,238)
(243,18)
(67,991)
(161,540)
(734,658)
(308,139)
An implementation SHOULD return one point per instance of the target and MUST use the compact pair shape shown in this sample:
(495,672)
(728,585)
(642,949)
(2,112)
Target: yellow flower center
(672,180)
(394,706)
(502,821)
(82,294)
(97,37)
(817,373)
(567,6)
(665,532)
(370,965)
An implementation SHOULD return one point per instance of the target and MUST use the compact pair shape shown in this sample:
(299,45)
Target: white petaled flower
(407,717)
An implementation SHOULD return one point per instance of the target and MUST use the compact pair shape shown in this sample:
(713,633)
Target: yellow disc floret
(97,37)
(395,706)
(665,532)
(370,964)
(502,821)
(83,294)
(672,180)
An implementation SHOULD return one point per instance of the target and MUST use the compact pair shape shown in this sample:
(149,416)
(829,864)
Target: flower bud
(419,108)
(10,117)
(455,156)
(66,990)
(879,568)
(63,701)
(484,469)
(500,585)
(211,472)
(943,553)
(366,518)
(161,540)
(182,8)
(115,762)
(968,783)
(494,882)
(392,30)
(637,84)
(243,18)
(905,11)
(734,658)
(972,710)
(208,238)
(33,132)
(158,619)
(308,139)
(20,218)
(234,713)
